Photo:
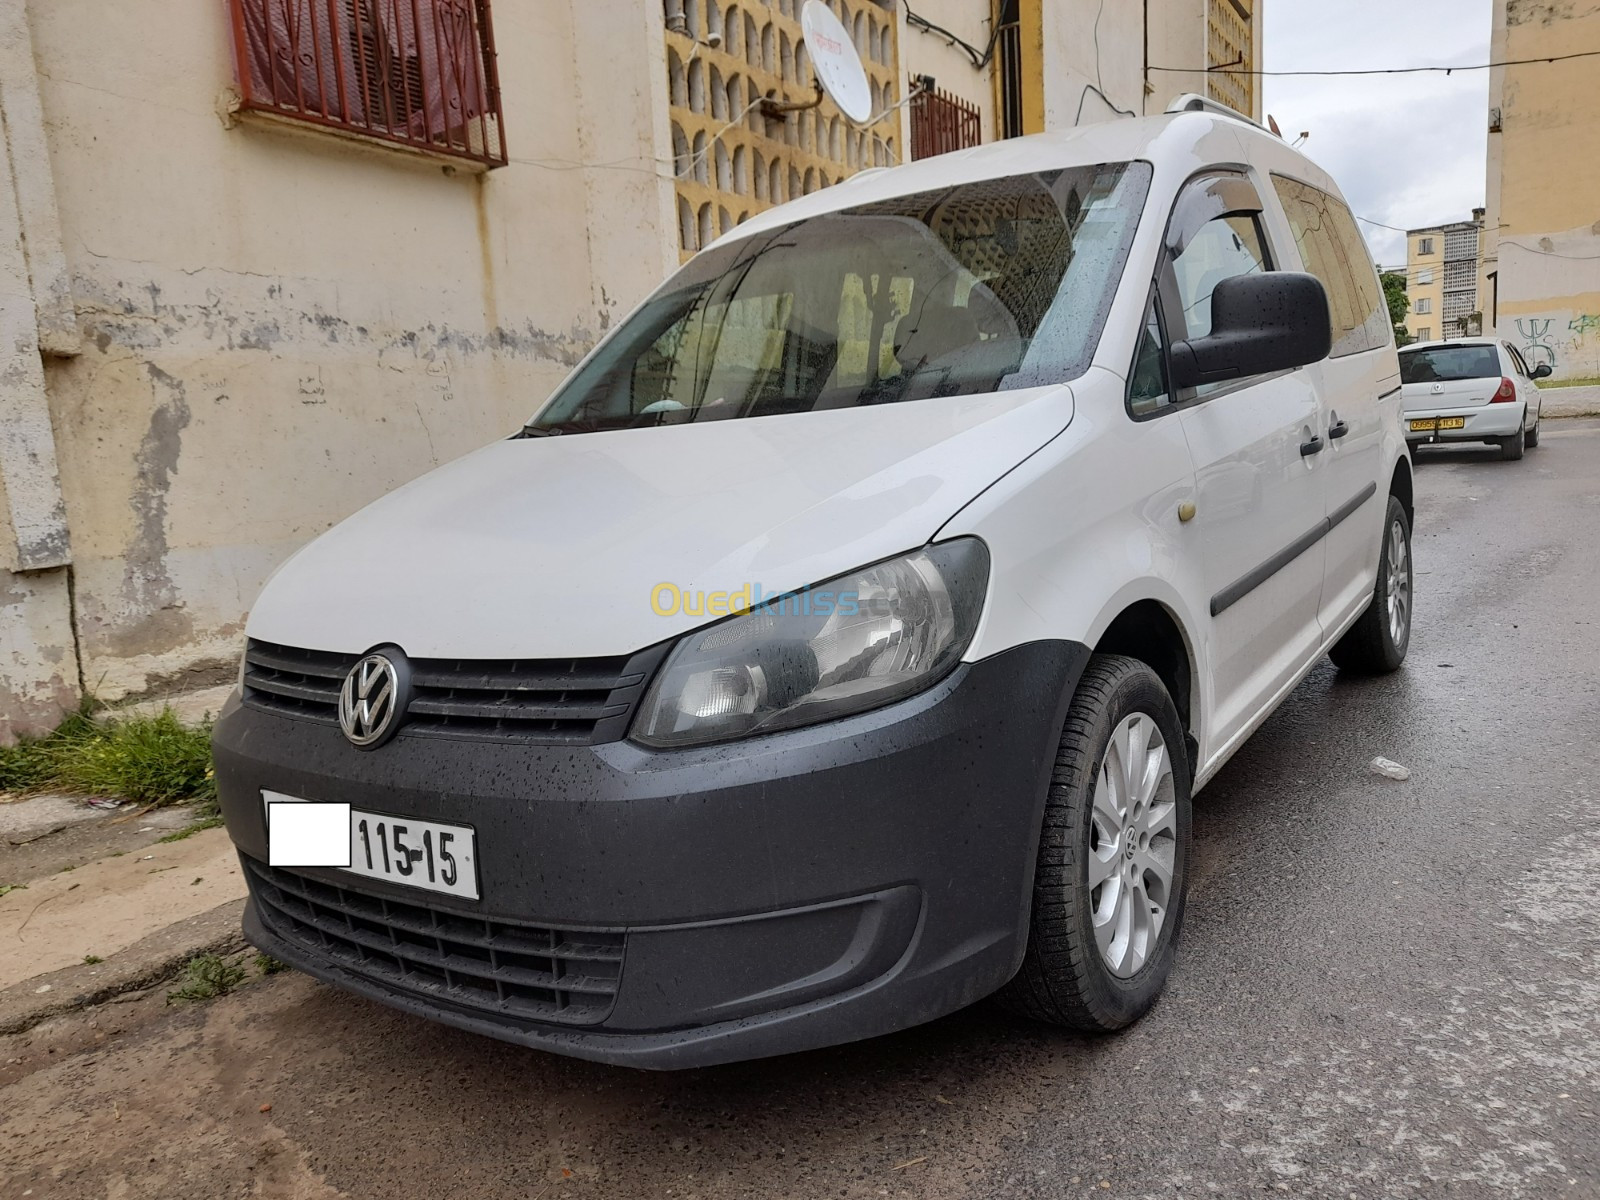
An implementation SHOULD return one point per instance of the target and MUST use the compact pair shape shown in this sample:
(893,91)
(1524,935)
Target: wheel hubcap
(1133,842)
(1399,582)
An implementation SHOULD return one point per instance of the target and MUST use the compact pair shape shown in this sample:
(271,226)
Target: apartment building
(262,261)
(1540,274)
(1442,264)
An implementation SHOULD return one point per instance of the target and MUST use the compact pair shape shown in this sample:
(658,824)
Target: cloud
(1407,150)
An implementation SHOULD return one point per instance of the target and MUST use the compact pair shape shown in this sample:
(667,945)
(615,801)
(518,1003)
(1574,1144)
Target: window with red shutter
(419,73)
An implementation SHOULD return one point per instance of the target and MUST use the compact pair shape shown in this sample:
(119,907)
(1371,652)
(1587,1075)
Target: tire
(1376,644)
(1066,979)
(1531,438)
(1511,449)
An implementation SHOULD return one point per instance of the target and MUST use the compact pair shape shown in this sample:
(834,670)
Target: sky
(1407,150)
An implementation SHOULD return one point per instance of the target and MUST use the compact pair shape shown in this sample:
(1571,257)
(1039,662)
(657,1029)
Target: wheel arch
(1149,631)
(1400,487)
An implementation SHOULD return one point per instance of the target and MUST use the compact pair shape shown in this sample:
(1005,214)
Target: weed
(203,823)
(150,760)
(205,977)
(92,959)
(268,965)
(6,888)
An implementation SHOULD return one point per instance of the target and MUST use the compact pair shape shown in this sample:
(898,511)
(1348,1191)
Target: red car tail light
(1506,394)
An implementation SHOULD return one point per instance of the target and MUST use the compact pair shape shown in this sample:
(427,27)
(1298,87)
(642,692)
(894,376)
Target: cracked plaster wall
(279,328)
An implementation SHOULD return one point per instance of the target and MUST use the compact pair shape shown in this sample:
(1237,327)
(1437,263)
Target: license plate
(420,854)
(1429,424)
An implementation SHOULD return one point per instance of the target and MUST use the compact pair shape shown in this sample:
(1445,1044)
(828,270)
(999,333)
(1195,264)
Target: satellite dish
(835,62)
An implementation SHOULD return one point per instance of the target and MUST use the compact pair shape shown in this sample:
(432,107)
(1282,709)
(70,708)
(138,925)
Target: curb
(152,959)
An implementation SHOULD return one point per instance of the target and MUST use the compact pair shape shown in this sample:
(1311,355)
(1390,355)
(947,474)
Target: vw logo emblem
(373,699)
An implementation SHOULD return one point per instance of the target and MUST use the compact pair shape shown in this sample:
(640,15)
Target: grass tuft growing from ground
(210,821)
(150,760)
(205,977)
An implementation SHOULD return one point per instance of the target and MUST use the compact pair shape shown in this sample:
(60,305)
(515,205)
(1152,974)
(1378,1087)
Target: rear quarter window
(1333,250)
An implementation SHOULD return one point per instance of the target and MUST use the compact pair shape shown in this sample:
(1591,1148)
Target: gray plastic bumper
(776,894)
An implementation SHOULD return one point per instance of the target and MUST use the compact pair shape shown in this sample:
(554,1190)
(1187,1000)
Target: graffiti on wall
(1584,325)
(1536,347)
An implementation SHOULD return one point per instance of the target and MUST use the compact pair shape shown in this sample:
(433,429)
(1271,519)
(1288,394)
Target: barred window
(941,123)
(419,73)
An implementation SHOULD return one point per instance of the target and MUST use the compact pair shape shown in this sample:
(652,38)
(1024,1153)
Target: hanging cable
(979,58)
(1509,62)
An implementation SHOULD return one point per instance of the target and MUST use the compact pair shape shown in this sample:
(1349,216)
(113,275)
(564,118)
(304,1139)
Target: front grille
(538,701)
(523,971)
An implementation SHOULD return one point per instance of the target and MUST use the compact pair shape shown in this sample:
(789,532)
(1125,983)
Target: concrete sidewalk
(84,882)
(106,906)
(1569,402)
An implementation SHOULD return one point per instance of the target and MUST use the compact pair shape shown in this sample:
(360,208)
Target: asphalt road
(1385,989)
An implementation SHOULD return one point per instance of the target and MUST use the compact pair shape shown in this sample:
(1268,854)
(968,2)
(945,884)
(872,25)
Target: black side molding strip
(1394,391)
(1347,510)
(1245,584)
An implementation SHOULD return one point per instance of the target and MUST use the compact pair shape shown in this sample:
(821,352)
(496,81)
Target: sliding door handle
(1337,430)
(1314,446)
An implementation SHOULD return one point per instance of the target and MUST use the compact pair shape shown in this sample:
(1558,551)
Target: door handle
(1314,446)
(1337,430)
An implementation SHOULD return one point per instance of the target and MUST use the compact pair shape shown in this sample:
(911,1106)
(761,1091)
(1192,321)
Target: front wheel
(1108,893)
(1376,644)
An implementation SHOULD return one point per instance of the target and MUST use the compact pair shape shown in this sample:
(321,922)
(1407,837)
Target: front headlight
(853,643)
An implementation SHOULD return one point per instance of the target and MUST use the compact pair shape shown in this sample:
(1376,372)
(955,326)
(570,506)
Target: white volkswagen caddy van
(845,639)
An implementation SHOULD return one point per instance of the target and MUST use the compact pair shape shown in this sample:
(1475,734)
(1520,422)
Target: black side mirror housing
(1259,324)
(1543,371)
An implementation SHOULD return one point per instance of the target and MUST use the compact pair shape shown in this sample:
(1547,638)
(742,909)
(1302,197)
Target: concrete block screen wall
(732,159)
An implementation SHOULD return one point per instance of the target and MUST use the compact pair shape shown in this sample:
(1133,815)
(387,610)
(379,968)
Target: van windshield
(974,288)
(1445,364)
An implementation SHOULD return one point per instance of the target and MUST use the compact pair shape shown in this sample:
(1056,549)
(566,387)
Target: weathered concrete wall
(1084,48)
(1095,54)
(1544,186)
(926,53)
(278,328)
(38,671)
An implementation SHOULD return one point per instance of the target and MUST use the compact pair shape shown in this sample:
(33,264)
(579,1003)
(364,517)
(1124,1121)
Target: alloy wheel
(1399,584)
(1133,839)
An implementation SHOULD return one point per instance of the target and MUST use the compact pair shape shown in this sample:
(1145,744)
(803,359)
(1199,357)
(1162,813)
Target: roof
(1474,341)
(1453,227)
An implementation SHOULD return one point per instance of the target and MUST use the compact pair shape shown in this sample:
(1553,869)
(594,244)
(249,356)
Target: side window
(1518,363)
(1333,250)
(1147,386)
(1222,248)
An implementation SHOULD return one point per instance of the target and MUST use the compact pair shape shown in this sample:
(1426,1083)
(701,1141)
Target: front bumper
(1484,423)
(790,891)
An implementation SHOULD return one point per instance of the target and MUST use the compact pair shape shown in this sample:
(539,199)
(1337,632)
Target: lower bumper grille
(528,972)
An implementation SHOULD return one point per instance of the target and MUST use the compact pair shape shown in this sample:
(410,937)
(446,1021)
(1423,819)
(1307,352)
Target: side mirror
(1259,324)
(1543,371)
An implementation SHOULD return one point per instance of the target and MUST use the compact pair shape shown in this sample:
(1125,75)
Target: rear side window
(1443,364)
(1333,251)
